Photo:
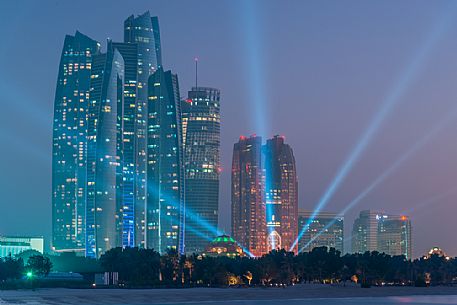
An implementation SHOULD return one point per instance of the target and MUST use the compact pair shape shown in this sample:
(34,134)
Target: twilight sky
(370,81)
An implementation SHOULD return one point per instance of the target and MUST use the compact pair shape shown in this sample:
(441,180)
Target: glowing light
(388,104)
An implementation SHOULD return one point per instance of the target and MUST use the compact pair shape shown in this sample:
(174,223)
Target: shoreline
(302,292)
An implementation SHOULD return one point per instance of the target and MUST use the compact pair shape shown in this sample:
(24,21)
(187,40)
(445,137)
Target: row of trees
(145,267)
(14,268)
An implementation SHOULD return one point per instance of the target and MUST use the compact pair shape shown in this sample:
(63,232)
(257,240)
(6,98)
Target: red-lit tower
(248,205)
(281,195)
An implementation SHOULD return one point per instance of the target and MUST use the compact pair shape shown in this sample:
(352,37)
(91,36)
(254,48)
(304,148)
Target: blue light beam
(388,104)
(380,179)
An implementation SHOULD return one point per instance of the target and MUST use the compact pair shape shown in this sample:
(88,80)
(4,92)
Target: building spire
(196,72)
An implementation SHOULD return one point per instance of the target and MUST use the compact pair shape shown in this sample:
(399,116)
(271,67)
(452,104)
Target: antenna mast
(196,72)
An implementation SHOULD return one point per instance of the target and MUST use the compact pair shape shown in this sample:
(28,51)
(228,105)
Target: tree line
(147,268)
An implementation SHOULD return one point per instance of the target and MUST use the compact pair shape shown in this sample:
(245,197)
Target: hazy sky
(319,72)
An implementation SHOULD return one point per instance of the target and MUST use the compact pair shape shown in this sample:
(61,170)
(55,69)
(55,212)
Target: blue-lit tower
(143,32)
(69,143)
(104,154)
(165,210)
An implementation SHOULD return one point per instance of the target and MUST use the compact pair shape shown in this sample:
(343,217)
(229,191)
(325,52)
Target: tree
(39,265)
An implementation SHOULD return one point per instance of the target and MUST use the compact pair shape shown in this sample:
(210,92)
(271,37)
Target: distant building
(325,230)
(201,140)
(281,194)
(165,210)
(365,232)
(376,231)
(223,246)
(394,235)
(13,245)
(436,251)
(248,205)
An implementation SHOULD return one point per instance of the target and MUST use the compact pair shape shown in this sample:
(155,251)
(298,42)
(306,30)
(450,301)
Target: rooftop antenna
(196,72)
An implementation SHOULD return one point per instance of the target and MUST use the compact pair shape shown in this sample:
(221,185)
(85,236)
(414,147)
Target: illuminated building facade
(248,205)
(165,213)
(223,246)
(13,245)
(394,235)
(104,152)
(129,52)
(69,144)
(201,135)
(365,232)
(142,31)
(376,231)
(325,230)
(281,194)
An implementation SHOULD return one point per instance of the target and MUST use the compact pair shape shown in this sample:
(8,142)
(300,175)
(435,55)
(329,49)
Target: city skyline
(321,140)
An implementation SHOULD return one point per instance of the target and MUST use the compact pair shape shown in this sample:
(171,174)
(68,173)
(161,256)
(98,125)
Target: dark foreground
(299,294)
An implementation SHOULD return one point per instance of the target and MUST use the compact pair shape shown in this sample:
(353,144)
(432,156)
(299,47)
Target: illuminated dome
(436,251)
(223,245)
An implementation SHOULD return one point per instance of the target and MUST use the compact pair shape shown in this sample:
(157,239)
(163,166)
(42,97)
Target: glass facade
(377,231)
(248,205)
(201,139)
(104,170)
(70,143)
(165,210)
(325,230)
(281,194)
(144,32)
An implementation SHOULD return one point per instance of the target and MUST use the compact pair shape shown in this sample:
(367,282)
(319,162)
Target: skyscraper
(325,230)
(394,235)
(281,194)
(365,232)
(248,205)
(165,214)
(376,231)
(144,32)
(69,144)
(104,153)
(129,52)
(201,114)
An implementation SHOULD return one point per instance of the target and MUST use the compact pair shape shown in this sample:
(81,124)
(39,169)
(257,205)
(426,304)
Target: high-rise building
(104,153)
(165,211)
(129,52)
(201,139)
(325,230)
(69,145)
(394,235)
(365,232)
(377,231)
(281,194)
(142,31)
(248,202)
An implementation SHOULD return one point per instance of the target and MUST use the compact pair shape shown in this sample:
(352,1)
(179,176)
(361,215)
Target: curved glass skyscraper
(69,143)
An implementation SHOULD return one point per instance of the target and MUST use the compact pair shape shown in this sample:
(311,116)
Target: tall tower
(281,194)
(69,143)
(144,32)
(104,170)
(248,207)
(165,213)
(201,114)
